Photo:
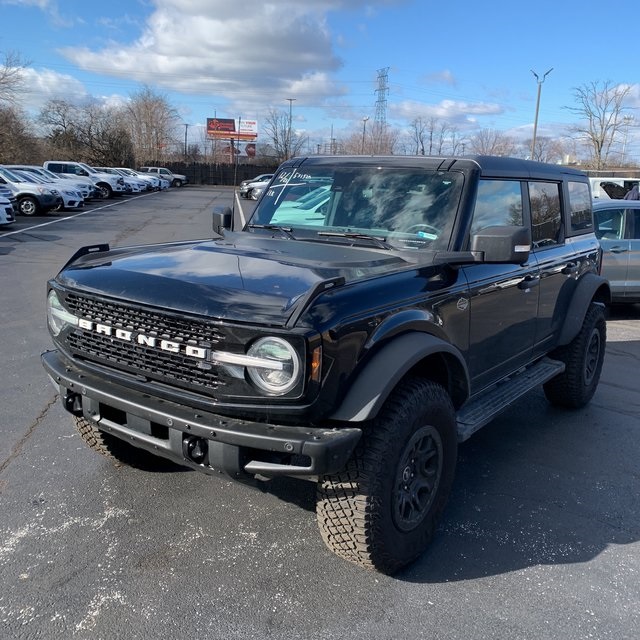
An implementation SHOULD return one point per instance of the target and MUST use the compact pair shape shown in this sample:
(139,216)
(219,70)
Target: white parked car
(7,215)
(71,198)
(135,185)
(108,184)
(81,184)
(246,185)
(157,182)
(255,189)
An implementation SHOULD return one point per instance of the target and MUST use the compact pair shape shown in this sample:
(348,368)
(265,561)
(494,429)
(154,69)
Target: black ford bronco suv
(371,314)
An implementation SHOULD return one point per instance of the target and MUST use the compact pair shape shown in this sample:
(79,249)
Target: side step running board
(478,412)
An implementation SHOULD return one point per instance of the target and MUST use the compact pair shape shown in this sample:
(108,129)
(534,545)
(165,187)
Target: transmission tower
(380,120)
(381,102)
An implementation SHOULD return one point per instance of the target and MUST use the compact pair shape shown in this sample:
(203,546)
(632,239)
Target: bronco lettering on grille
(125,335)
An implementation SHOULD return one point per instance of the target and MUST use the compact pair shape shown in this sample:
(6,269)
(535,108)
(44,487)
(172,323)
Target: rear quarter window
(580,207)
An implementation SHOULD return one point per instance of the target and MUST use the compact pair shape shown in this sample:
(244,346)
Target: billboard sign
(228,128)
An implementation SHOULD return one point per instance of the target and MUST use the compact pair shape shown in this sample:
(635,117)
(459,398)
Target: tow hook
(195,449)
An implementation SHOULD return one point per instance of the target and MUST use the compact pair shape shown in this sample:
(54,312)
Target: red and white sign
(228,128)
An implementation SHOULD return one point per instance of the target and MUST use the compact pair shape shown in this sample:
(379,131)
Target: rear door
(632,232)
(610,229)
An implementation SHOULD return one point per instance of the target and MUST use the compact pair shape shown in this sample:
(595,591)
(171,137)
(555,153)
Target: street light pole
(288,149)
(364,131)
(186,128)
(627,119)
(535,120)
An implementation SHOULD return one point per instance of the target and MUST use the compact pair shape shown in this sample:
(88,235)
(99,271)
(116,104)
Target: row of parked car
(30,190)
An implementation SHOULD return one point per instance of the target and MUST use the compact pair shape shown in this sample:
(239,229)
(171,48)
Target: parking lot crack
(17,448)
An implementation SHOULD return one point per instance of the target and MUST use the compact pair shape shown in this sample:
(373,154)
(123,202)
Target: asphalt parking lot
(541,538)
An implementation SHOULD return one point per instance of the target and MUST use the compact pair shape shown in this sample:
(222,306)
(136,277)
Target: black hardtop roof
(489,166)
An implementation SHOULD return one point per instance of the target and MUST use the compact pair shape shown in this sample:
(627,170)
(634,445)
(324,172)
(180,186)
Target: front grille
(176,369)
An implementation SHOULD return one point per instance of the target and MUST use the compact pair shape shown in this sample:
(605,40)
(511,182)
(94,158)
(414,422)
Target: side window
(546,217)
(55,167)
(580,206)
(633,224)
(609,223)
(498,202)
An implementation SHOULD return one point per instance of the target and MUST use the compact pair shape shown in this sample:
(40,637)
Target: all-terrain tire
(583,358)
(382,510)
(119,451)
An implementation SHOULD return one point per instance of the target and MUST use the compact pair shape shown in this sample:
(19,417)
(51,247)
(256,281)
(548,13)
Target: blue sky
(465,63)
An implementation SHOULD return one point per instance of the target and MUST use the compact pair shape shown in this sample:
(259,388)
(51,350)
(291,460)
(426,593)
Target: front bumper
(241,449)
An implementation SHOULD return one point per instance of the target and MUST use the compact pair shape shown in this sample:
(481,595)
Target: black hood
(243,276)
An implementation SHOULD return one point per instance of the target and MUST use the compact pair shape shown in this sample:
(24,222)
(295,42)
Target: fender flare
(590,287)
(386,368)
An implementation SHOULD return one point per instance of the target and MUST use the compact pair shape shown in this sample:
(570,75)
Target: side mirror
(508,244)
(222,220)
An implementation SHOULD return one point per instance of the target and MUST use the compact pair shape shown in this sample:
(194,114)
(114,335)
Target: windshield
(87,168)
(408,208)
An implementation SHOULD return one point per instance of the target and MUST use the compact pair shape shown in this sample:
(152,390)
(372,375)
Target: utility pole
(288,149)
(535,120)
(186,128)
(364,131)
(627,119)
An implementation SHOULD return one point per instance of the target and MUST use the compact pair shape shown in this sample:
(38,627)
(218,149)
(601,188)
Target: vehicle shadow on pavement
(623,312)
(540,486)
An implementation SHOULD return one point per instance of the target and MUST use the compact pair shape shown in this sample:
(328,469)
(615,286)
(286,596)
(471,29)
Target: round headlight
(278,367)
(57,315)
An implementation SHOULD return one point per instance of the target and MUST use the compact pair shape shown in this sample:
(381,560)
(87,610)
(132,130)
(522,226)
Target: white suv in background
(176,179)
(109,185)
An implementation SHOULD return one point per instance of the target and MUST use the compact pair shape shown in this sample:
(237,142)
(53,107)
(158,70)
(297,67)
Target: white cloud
(245,52)
(43,85)
(454,112)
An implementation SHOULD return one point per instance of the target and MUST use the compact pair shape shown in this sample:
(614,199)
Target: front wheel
(177,182)
(28,206)
(118,451)
(382,510)
(583,358)
(105,190)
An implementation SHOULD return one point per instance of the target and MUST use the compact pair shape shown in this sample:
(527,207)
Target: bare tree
(547,149)
(600,109)
(11,77)
(152,123)
(285,142)
(441,137)
(91,132)
(17,144)
(458,143)
(60,119)
(417,132)
(491,143)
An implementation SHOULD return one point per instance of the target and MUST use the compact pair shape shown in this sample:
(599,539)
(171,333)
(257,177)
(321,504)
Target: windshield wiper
(286,231)
(377,240)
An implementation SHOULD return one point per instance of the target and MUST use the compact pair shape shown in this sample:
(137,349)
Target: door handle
(528,282)
(618,249)
(570,269)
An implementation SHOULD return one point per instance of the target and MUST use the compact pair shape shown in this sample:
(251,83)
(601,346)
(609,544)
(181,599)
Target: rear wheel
(119,451)
(382,510)
(583,358)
